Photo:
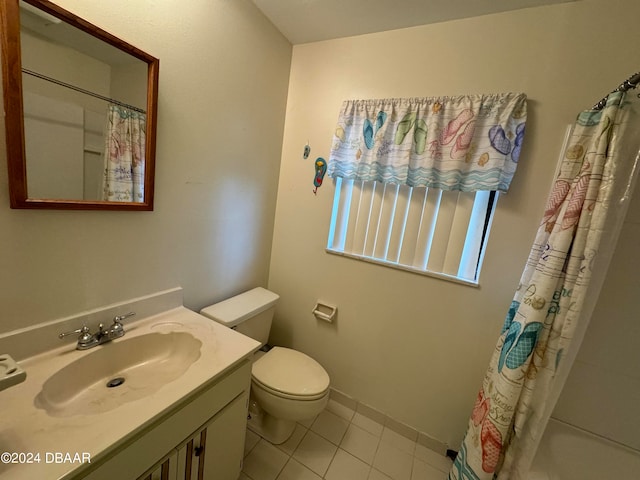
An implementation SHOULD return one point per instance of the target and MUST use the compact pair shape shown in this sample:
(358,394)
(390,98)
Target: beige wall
(223,84)
(416,347)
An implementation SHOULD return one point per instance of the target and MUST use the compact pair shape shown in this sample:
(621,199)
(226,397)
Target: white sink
(118,372)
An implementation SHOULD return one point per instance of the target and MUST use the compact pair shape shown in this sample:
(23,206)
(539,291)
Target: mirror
(80,112)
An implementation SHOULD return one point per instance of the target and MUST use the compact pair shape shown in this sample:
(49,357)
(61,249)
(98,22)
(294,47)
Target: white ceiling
(303,21)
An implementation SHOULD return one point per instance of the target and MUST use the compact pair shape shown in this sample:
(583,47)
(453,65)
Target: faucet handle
(120,318)
(85,339)
(82,331)
(117,330)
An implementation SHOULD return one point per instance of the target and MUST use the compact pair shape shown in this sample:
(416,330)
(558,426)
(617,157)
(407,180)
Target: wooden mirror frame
(14,114)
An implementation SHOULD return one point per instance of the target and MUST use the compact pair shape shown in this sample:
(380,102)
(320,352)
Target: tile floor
(340,444)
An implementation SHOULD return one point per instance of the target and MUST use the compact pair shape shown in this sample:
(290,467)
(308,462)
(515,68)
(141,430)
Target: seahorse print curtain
(465,143)
(124,155)
(508,418)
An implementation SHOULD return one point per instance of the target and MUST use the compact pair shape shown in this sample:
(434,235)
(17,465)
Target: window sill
(427,273)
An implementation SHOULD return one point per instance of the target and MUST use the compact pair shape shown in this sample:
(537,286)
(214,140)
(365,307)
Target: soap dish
(10,372)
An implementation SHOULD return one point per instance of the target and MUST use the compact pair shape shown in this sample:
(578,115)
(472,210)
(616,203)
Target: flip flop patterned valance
(465,143)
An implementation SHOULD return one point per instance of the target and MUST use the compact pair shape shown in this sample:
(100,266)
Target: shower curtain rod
(81,90)
(628,84)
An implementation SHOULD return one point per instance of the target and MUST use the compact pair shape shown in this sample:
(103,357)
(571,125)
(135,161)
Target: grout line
(246,474)
(332,459)
(285,464)
(369,472)
(350,423)
(375,454)
(250,450)
(290,459)
(413,464)
(300,442)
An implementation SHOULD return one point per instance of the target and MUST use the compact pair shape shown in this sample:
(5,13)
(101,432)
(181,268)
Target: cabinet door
(225,441)
(190,465)
(167,470)
(215,452)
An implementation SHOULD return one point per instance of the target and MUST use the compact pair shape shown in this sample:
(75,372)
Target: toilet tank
(249,313)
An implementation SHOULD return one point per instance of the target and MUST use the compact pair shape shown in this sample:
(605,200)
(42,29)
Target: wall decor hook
(321,169)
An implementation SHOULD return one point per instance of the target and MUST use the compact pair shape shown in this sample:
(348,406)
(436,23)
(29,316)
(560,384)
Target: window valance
(465,143)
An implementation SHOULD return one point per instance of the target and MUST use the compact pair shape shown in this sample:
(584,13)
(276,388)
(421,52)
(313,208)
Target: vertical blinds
(421,229)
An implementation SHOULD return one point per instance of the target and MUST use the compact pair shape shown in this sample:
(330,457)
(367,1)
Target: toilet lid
(291,372)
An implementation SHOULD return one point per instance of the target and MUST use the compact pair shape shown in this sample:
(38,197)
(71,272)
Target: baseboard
(377,416)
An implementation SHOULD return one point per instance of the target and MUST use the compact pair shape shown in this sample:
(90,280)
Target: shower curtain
(521,384)
(124,155)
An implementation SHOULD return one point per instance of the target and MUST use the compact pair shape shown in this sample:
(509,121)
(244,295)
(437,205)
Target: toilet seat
(290,374)
(279,394)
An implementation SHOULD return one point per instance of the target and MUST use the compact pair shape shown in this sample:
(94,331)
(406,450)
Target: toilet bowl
(286,385)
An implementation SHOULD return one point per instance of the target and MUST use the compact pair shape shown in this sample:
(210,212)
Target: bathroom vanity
(178,411)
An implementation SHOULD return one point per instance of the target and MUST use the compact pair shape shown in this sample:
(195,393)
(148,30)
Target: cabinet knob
(198,451)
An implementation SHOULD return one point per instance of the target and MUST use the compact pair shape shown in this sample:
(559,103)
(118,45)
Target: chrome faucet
(88,340)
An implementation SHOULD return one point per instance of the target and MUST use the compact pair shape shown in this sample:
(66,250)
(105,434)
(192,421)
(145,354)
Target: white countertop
(25,428)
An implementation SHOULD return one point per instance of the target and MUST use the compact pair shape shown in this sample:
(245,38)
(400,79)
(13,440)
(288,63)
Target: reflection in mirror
(68,77)
(88,113)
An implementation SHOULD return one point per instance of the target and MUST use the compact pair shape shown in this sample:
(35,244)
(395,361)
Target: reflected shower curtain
(124,155)
(518,390)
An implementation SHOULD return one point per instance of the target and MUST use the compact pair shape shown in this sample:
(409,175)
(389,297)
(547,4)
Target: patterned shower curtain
(512,406)
(124,155)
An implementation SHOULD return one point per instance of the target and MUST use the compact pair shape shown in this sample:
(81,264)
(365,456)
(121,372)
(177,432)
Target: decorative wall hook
(321,169)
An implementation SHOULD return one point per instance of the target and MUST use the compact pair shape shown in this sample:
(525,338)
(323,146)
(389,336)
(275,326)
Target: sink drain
(115,382)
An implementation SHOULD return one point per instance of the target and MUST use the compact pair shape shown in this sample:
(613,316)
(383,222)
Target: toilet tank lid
(236,309)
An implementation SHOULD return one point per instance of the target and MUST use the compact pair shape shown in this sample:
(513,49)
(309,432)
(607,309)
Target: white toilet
(286,385)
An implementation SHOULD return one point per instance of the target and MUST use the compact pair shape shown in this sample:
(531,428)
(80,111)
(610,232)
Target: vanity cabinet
(166,470)
(215,452)
(202,439)
(192,457)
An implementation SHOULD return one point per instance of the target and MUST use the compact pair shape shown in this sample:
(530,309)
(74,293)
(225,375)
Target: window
(423,230)
(417,179)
